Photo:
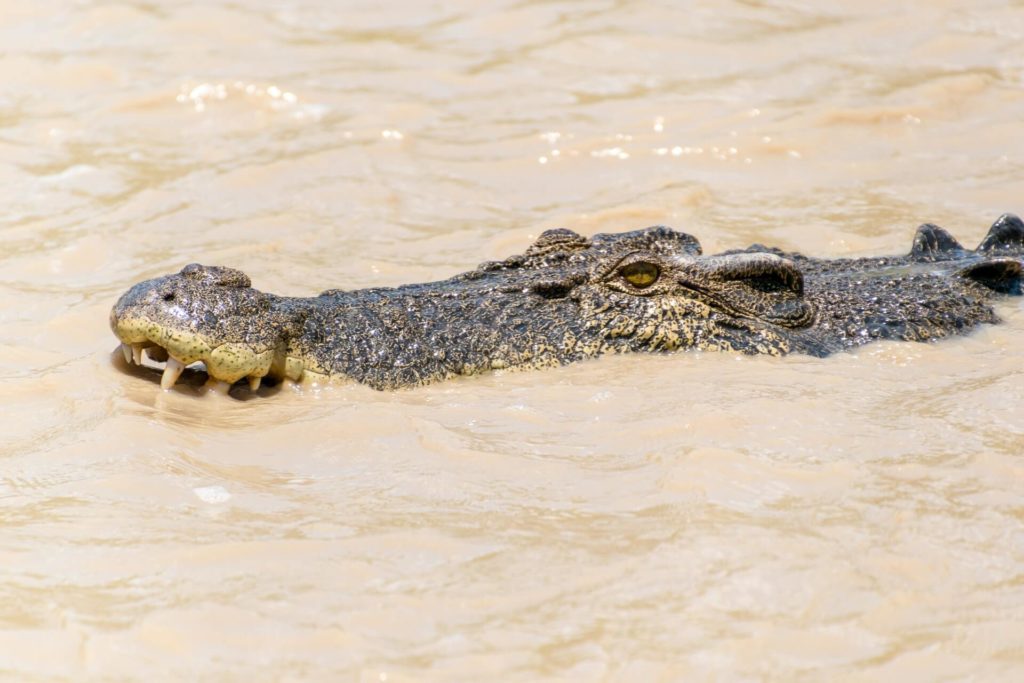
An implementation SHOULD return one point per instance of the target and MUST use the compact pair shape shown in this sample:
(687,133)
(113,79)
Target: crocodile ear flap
(1006,233)
(931,241)
(760,271)
(1001,275)
(773,286)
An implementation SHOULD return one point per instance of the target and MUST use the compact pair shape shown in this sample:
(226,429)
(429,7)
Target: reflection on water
(643,518)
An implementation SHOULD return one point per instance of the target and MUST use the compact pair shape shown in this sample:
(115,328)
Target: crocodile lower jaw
(224,363)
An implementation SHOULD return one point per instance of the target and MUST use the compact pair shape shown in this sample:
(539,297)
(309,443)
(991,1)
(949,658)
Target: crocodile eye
(640,274)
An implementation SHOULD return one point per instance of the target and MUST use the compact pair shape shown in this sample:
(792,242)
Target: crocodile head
(567,297)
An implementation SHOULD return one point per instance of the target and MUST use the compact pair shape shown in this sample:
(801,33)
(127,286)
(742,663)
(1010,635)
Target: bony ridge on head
(216,275)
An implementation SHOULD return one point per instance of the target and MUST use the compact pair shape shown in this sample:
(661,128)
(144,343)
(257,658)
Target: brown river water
(695,516)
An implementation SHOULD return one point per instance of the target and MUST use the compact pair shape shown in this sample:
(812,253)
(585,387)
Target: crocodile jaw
(229,362)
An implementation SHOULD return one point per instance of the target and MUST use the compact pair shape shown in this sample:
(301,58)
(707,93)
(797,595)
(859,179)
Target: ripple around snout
(687,516)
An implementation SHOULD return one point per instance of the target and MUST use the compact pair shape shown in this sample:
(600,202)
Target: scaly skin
(568,298)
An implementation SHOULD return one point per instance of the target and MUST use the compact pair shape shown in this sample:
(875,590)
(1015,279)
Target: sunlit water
(684,517)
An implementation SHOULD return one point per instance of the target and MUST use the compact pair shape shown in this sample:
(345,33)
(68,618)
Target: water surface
(684,517)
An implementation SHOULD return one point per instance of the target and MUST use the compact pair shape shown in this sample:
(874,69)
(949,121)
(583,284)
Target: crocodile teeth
(137,353)
(127,351)
(254,382)
(171,373)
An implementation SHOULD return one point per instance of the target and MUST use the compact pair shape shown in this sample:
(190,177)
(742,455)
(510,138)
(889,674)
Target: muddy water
(686,517)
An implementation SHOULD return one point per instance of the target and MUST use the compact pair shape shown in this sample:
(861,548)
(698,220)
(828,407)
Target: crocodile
(567,298)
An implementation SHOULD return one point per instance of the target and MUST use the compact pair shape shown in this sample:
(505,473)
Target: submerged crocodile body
(568,298)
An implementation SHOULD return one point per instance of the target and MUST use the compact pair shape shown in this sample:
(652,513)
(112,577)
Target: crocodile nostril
(169,296)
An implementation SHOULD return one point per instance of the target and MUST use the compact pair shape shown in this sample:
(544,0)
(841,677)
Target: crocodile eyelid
(612,271)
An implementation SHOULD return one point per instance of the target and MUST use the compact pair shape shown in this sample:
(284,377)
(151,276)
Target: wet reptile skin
(568,298)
